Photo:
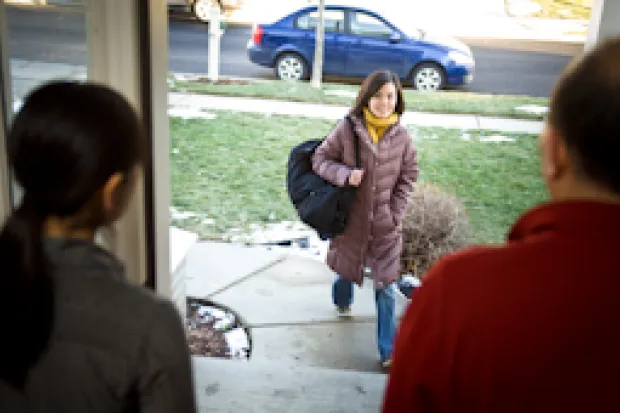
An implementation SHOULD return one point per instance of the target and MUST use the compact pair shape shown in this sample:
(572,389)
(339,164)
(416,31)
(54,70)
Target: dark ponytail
(65,143)
(27,304)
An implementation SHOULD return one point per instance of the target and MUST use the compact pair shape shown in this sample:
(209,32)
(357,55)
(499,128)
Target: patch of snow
(294,238)
(523,7)
(565,12)
(238,343)
(343,93)
(213,312)
(222,320)
(534,109)
(497,138)
(183,215)
(225,322)
(272,233)
(189,113)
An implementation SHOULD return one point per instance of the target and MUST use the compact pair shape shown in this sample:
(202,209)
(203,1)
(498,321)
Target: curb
(572,47)
(239,24)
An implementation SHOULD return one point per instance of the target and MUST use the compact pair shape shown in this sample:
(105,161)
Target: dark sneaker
(406,286)
(344,311)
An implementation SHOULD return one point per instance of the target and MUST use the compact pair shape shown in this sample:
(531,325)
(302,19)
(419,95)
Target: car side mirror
(395,37)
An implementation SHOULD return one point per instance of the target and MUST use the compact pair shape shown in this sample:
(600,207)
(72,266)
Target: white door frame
(127,50)
(604,22)
(6,111)
(155,40)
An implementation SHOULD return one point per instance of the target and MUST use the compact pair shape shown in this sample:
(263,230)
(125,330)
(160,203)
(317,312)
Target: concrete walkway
(29,74)
(239,387)
(195,105)
(304,357)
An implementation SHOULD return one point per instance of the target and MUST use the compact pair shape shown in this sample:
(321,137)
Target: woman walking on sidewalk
(372,242)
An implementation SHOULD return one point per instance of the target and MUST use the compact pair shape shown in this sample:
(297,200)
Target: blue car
(358,42)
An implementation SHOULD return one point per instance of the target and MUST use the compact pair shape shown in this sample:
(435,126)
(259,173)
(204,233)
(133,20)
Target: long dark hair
(371,86)
(63,146)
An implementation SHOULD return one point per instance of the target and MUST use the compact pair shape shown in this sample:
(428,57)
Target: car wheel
(428,77)
(291,67)
(202,9)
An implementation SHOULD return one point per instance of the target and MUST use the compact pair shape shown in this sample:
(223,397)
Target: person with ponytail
(75,335)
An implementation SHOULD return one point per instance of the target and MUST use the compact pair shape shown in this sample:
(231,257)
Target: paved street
(503,66)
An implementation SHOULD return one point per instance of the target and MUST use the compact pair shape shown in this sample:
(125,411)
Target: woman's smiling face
(383,103)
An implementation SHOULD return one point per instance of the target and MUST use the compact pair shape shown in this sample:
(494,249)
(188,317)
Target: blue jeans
(342,294)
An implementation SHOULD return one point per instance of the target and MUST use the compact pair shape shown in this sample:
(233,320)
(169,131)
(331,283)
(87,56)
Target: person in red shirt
(533,325)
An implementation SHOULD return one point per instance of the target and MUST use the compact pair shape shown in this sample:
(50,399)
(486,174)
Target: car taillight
(257,34)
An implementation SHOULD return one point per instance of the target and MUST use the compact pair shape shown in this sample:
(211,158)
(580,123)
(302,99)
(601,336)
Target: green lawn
(440,102)
(231,171)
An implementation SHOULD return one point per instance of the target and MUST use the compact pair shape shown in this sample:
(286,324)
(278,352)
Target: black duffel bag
(320,204)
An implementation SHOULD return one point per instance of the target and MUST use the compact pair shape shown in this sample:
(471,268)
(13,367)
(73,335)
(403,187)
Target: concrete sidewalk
(304,357)
(239,387)
(195,105)
(27,75)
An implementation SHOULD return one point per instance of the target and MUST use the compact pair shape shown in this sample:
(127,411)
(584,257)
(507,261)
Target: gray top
(115,347)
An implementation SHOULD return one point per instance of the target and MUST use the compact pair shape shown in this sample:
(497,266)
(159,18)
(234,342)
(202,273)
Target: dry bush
(435,224)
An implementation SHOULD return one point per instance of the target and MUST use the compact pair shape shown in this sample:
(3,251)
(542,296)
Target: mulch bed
(214,331)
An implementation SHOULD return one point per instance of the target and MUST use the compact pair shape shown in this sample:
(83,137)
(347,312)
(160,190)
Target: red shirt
(532,326)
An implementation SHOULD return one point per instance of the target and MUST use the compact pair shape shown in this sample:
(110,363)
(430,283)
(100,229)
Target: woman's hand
(355,178)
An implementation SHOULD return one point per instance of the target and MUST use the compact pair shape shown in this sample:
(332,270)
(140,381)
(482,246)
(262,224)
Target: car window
(363,24)
(334,21)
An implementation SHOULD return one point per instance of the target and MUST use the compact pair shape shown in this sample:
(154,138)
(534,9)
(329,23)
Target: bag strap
(356,141)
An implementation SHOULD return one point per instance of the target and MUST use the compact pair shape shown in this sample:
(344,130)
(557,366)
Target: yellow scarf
(377,126)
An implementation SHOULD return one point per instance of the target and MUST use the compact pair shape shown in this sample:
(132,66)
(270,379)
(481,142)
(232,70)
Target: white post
(317,69)
(214,45)
(604,22)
